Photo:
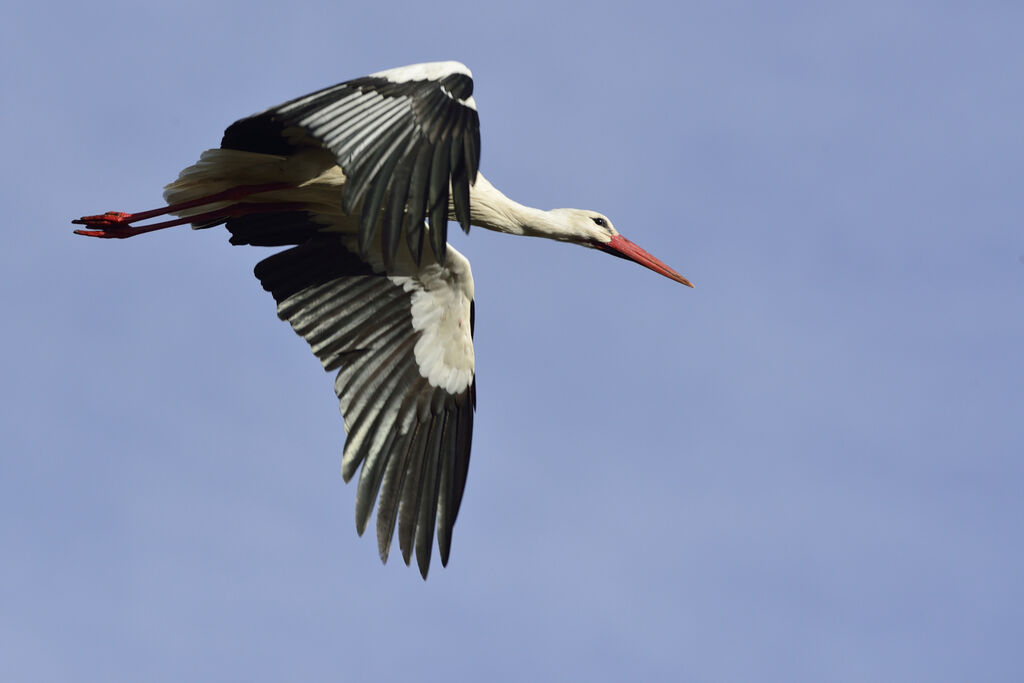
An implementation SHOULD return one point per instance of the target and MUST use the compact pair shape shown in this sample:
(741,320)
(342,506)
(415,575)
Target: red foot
(110,218)
(113,224)
(118,233)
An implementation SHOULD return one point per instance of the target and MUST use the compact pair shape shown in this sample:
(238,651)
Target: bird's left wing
(402,138)
(406,382)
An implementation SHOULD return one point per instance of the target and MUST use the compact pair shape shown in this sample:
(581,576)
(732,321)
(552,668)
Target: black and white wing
(404,350)
(402,137)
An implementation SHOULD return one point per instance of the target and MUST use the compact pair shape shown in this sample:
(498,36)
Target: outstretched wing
(402,138)
(406,381)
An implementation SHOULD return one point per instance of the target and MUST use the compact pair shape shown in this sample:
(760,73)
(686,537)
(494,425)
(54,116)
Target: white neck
(490,208)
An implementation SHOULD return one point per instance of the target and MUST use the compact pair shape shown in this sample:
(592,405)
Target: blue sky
(807,469)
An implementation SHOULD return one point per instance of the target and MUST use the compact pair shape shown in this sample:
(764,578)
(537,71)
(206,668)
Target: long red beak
(623,248)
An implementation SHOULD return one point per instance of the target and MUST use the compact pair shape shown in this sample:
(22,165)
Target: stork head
(595,230)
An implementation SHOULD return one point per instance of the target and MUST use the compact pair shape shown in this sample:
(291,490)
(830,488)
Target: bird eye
(600,221)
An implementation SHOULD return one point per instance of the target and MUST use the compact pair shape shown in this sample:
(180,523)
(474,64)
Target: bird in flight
(359,180)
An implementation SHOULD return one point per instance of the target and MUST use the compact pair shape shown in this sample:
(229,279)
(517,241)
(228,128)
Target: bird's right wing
(406,382)
(402,138)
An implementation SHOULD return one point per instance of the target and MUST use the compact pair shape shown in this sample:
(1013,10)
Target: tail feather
(221,169)
(314,187)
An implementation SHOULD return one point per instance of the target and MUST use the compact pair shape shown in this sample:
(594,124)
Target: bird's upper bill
(623,248)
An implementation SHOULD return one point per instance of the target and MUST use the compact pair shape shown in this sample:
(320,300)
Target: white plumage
(440,302)
(356,179)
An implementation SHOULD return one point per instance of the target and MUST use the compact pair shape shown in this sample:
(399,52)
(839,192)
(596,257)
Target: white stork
(355,178)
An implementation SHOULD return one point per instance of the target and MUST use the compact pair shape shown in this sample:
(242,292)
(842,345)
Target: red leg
(117,224)
(112,228)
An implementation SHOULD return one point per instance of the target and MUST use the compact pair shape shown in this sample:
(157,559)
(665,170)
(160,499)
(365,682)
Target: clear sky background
(809,468)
